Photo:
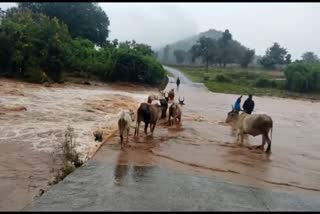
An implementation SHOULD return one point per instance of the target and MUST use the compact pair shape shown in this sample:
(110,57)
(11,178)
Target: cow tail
(271,134)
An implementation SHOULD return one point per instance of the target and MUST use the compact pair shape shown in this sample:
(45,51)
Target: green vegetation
(275,56)
(303,77)
(66,153)
(245,81)
(221,52)
(85,20)
(38,48)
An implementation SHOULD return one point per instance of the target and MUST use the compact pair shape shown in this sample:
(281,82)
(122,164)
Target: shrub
(133,67)
(36,75)
(68,155)
(302,77)
(206,77)
(223,78)
(265,83)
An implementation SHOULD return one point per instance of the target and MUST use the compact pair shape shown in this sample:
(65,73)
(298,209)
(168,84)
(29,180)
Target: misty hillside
(186,44)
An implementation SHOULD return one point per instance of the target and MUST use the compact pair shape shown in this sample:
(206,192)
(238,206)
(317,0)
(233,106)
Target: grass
(241,81)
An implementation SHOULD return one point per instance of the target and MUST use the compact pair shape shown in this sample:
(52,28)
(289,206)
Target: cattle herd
(150,113)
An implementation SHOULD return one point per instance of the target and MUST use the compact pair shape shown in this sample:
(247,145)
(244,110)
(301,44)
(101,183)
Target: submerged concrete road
(100,185)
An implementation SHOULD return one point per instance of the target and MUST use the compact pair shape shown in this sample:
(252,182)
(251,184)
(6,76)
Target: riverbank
(244,82)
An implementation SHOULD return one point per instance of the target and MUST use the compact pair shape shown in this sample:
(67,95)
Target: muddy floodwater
(205,144)
(33,120)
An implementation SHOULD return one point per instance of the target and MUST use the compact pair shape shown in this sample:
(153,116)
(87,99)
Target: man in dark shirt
(178,83)
(248,105)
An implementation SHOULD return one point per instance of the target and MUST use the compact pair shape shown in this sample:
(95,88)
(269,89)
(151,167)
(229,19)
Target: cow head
(181,102)
(166,97)
(232,116)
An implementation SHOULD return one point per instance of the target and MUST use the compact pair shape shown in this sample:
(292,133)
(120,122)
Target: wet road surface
(101,187)
(191,167)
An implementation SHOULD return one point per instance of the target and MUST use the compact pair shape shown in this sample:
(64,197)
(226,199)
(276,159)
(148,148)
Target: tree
(246,58)
(206,49)
(288,59)
(180,55)
(225,49)
(166,53)
(310,57)
(34,41)
(86,20)
(275,55)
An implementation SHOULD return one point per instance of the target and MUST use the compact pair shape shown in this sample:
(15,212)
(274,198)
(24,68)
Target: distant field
(258,82)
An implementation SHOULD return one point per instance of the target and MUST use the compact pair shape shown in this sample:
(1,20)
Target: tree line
(301,75)
(44,41)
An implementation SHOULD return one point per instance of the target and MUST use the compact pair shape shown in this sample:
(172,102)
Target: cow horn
(183,99)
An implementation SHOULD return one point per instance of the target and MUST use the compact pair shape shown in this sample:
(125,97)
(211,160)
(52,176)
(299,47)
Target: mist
(256,25)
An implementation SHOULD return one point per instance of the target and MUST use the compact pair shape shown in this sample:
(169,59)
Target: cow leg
(121,140)
(128,134)
(154,125)
(263,143)
(241,135)
(146,128)
(137,128)
(151,125)
(269,143)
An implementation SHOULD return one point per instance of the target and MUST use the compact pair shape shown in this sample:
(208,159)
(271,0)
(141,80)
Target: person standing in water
(248,105)
(178,83)
(236,107)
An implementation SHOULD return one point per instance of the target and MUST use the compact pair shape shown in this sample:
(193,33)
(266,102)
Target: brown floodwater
(34,118)
(205,144)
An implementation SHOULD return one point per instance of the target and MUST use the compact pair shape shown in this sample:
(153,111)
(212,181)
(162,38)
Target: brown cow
(175,112)
(171,94)
(148,113)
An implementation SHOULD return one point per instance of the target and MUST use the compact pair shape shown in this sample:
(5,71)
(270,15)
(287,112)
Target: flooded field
(34,118)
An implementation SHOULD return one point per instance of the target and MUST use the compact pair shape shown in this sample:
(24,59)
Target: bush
(68,155)
(206,77)
(223,78)
(265,83)
(302,77)
(133,67)
(36,75)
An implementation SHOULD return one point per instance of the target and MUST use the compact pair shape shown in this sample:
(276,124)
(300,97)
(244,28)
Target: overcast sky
(256,25)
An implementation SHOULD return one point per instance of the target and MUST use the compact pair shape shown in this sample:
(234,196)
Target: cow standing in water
(175,112)
(149,114)
(124,124)
(171,94)
(254,125)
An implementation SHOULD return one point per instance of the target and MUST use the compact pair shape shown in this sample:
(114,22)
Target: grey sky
(256,25)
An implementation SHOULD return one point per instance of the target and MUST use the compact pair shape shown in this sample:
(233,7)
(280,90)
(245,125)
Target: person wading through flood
(236,107)
(178,83)
(248,105)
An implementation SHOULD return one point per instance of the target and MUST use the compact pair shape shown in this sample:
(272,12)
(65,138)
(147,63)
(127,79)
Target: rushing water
(205,144)
(33,120)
